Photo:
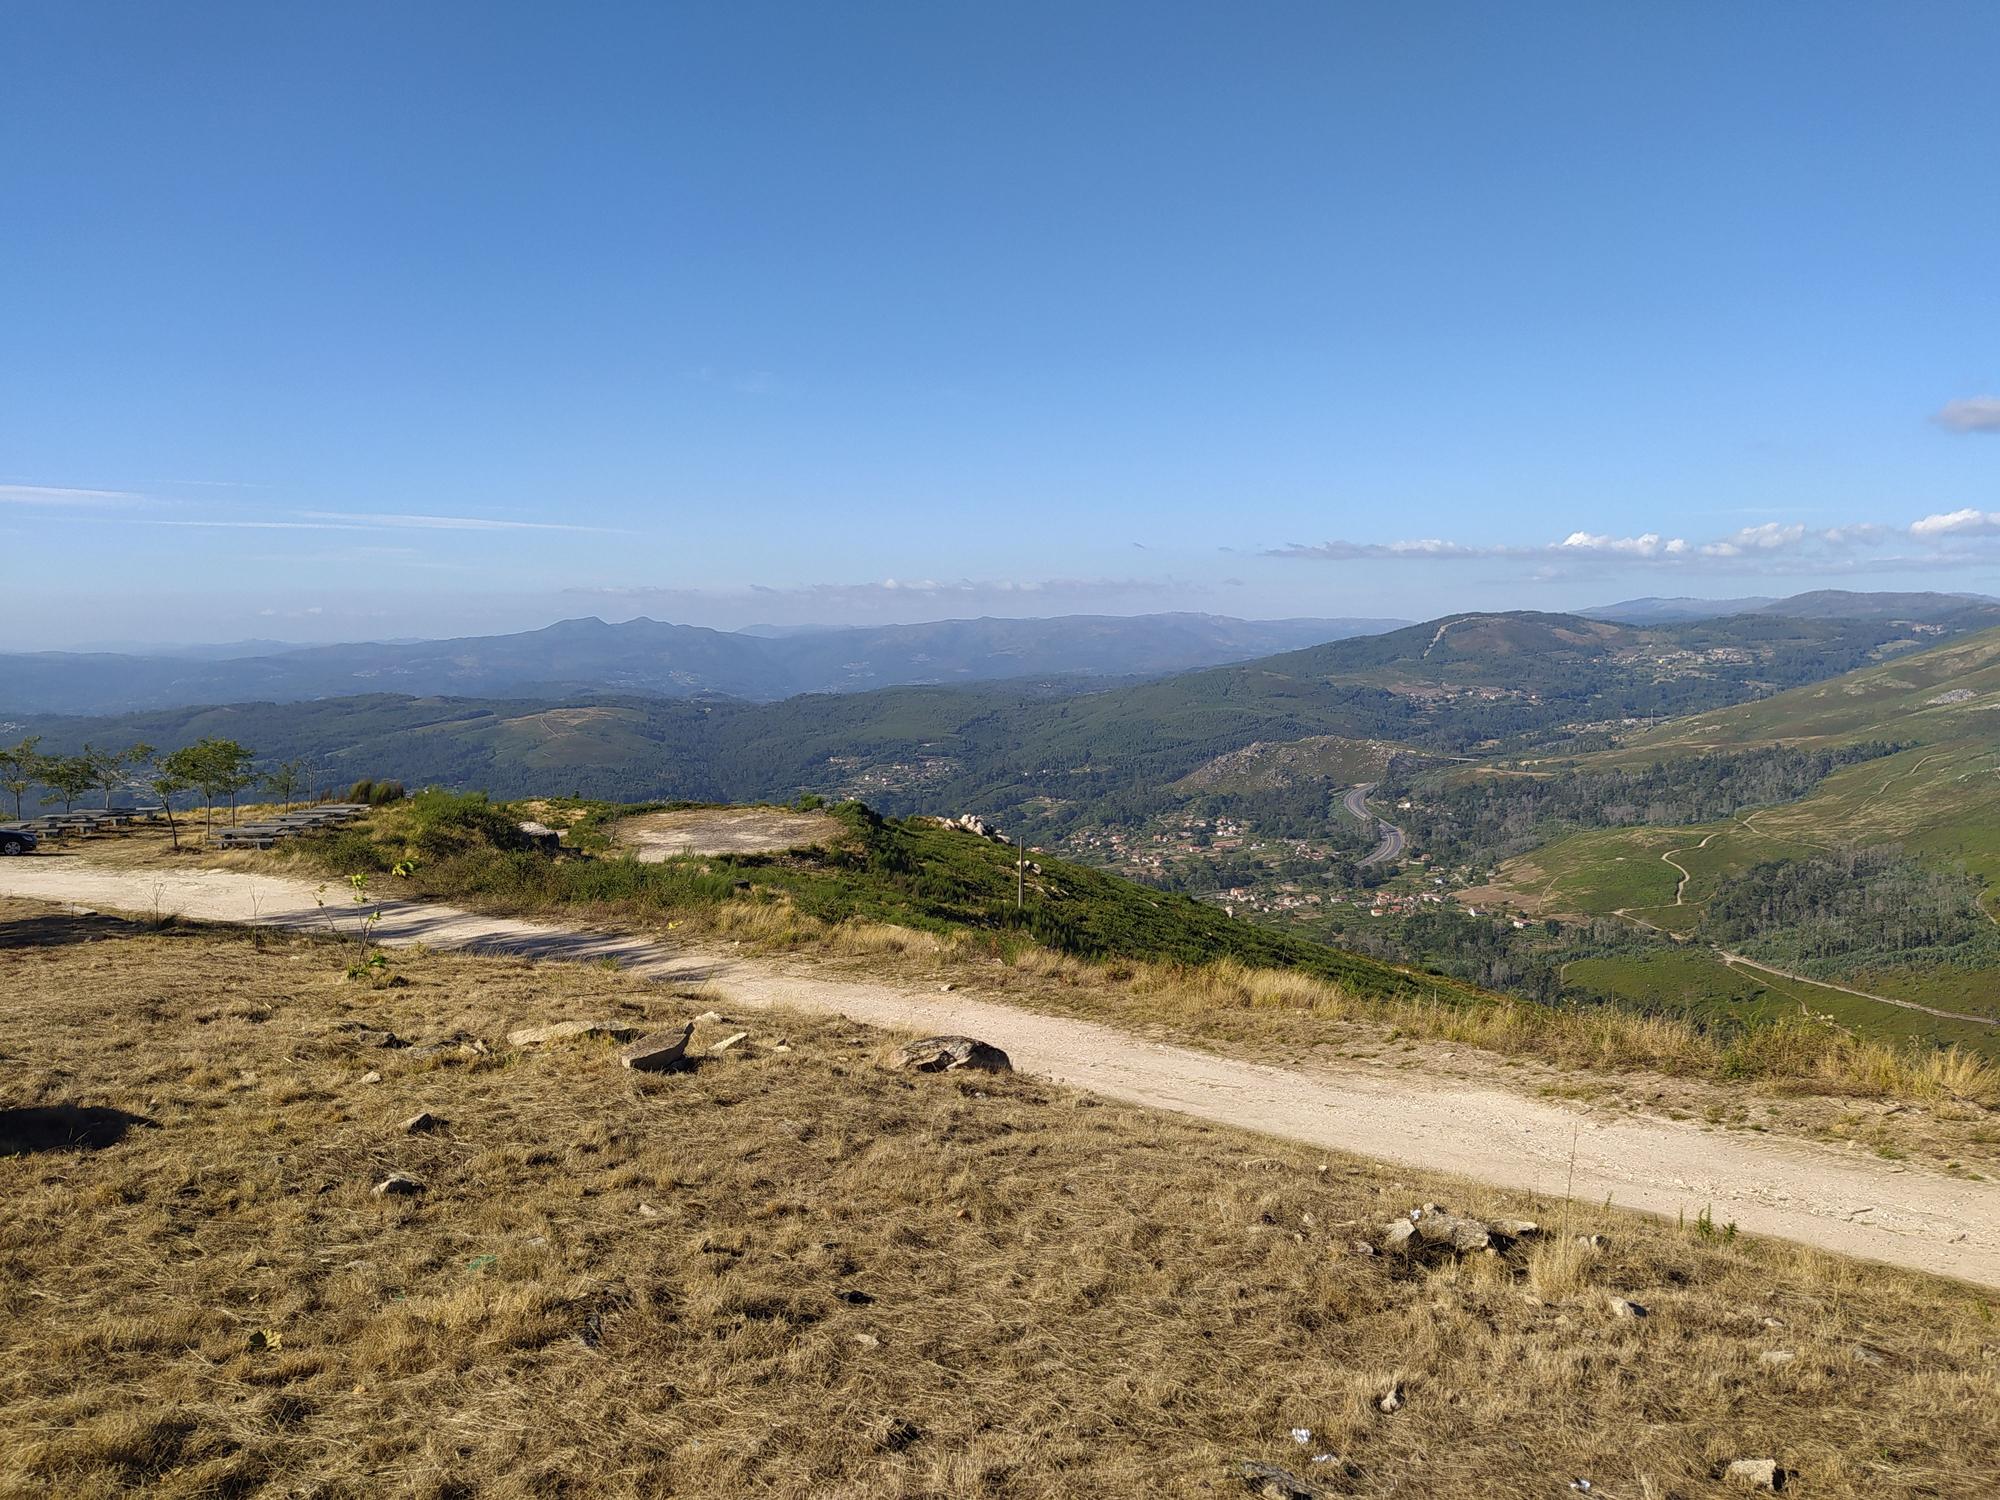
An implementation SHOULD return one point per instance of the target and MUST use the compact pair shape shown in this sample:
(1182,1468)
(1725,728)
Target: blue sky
(372,320)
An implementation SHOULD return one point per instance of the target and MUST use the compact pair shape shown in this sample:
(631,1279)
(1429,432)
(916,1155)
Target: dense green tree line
(1850,909)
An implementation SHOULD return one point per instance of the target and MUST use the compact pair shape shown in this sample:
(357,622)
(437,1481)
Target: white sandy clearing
(1792,1189)
(722,830)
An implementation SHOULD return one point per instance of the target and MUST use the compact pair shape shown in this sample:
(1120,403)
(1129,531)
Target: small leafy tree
(166,782)
(215,768)
(18,766)
(286,779)
(68,776)
(112,769)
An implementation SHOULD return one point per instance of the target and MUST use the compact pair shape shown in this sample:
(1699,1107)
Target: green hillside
(1936,800)
(912,872)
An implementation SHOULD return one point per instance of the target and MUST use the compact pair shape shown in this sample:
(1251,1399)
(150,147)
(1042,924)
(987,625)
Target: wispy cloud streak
(64,495)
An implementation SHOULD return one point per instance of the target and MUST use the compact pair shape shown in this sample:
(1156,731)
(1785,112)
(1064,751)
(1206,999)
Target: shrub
(443,824)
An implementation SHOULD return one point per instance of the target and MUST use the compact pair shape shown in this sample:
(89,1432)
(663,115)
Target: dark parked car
(17,841)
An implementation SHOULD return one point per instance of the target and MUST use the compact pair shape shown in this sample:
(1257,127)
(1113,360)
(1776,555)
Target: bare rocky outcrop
(1438,1229)
(949,1054)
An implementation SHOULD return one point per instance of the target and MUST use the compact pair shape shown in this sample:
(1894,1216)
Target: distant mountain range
(1048,754)
(1822,604)
(650,658)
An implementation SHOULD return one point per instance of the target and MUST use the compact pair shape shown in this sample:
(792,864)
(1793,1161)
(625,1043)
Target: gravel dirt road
(1793,1189)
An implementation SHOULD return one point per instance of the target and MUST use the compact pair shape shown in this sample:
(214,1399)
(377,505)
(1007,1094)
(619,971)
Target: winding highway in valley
(1393,840)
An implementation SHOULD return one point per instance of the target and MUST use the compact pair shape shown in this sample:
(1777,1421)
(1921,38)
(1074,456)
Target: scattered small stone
(396,1185)
(1866,1355)
(569,1031)
(1756,1474)
(946,988)
(1591,1241)
(1622,1307)
(659,1053)
(709,1018)
(1398,1234)
(371,1076)
(1392,1402)
(1362,1247)
(422,1123)
(1776,1357)
(727,1042)
(647,1211)
(867,1341)
(1515,1229)
(1269,1482)
(1774,1322)
(948,1054)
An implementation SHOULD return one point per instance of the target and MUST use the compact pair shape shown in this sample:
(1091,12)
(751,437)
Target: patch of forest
(1482,822)
(1850,910)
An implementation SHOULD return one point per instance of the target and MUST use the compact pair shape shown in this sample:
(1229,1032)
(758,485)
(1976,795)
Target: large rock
(1453,1233)
(570,1031)
(948,1054)
(659,1053)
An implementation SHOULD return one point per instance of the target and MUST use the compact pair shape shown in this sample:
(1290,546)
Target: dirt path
(1827,984)
(1792,1189)
(1680,888)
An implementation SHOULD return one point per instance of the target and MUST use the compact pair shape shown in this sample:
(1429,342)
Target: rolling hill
(656,659)
(1046,752)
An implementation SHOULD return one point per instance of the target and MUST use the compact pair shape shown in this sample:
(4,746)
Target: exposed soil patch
(723,830)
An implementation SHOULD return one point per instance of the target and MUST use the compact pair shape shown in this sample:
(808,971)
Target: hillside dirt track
(1791,1189)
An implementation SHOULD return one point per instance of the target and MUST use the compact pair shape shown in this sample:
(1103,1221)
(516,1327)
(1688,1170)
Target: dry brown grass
(851,1284)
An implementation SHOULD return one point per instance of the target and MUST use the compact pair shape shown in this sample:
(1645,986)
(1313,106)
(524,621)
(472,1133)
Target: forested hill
(1045,753)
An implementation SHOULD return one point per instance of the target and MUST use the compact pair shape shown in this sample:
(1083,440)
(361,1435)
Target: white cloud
(1972,414)
(1649,545)
(1967,522)
(1771,546)
(1769,537)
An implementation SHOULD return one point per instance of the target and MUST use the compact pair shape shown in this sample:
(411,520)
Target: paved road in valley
(1391,847)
